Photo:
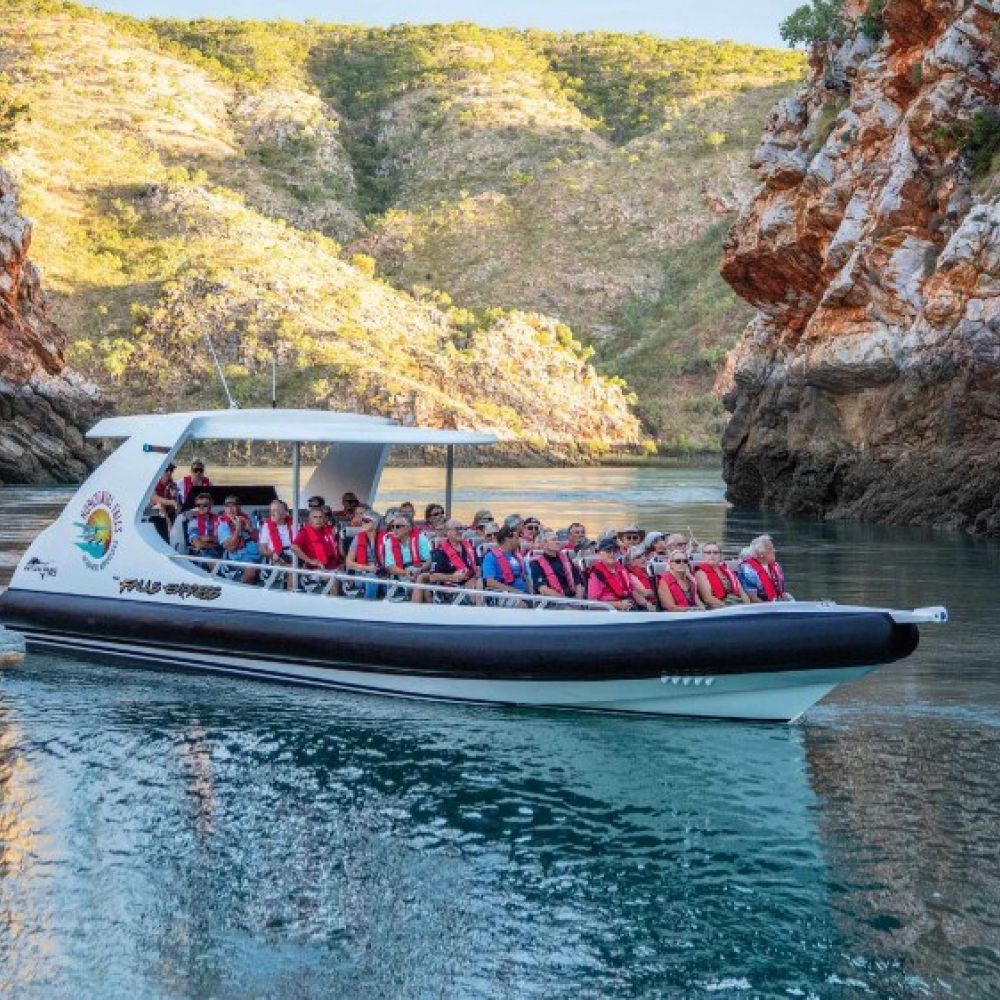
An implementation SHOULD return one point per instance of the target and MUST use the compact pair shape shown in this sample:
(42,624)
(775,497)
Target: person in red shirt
(316,545)
(611,582)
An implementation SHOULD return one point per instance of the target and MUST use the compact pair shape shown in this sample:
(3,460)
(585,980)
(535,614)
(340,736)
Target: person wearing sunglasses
(434,519)
(552,571)
(630,536)
(454,562)
(676,588)
(503,565)
(407,554)
(718,585)
(528,534)
(194,482)
(201,528)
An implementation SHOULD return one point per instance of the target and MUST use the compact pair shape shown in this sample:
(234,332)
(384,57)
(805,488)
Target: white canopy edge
(279,425)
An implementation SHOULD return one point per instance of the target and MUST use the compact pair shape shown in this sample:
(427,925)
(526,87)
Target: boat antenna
(233,405)
(274,381)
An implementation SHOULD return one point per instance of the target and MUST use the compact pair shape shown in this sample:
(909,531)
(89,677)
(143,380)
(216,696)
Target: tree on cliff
(12,109)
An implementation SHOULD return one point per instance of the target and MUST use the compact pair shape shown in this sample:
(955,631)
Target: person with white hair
(760,572)
(718,585)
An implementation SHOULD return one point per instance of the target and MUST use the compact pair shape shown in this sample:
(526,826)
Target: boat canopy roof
(283,425)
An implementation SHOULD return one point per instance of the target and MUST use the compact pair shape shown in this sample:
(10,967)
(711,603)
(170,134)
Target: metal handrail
(539,600)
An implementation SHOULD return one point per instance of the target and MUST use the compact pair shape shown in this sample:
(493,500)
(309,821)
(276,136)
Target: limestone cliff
(868,384)
(43,408)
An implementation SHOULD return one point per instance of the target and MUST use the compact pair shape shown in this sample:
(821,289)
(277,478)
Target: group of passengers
(628,569)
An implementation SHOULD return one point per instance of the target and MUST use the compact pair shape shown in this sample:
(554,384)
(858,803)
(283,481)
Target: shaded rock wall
(868,384)
(43,408)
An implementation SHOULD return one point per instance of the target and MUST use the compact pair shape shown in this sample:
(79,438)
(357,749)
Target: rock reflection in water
(229,839)
(909,816)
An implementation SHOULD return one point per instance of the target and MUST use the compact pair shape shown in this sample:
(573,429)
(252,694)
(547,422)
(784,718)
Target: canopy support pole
(449,478)
(296,488)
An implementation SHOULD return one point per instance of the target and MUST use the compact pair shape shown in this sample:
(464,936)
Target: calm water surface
(171,836)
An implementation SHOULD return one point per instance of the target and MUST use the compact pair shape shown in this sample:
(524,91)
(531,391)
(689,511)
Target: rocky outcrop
(44,409)
(868,384)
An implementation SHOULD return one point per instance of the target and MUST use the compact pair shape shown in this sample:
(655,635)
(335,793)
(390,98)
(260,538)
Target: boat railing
(277,575)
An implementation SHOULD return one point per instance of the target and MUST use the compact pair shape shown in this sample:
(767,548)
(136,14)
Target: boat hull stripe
(784,640)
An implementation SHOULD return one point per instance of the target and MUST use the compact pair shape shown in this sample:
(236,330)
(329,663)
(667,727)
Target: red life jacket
(682,598)
(239,526)
(721,579)
(320,544)
(361,555)
(397,549)
(772,579)
(189,484)
(617,580)
(206,524)
(464,562)
(504,562)
(270,529)
(551,580)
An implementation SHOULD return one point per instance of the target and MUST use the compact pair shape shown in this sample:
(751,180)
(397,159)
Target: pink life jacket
(189,484)
(617,580)
(206,523)
(551,580)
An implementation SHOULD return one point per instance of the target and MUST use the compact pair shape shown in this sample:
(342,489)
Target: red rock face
(868,384)
(43,409)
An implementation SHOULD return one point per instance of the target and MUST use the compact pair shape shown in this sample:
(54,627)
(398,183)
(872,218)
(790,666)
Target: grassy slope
(151,233)
(584,177)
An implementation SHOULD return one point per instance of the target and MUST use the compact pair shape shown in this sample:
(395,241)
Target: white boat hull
(779,696)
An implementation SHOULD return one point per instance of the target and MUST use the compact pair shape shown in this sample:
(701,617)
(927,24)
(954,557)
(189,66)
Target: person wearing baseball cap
(611,582)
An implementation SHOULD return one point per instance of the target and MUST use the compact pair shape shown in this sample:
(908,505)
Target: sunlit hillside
(431,222)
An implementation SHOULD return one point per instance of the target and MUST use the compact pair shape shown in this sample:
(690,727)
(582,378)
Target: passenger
(329,515)
(237,537)
(275,538)
(552,572)
(687,542)
(575,534)
(365,554)
(316,545)
(201,528)
(718,585)
(194,482)
(761,574)
(166,502)
(454,560)
(629,537)
(610,582)
(407,554)
(676,588)
(655,545)
(503,565)
(488,539)
(530,527)
(638,567)
(316,501)
(434,518)
(480,518)
(409,511)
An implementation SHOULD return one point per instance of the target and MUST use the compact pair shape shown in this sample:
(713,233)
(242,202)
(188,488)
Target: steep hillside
(166,223)
(868,383)
(533,198)
(43,409)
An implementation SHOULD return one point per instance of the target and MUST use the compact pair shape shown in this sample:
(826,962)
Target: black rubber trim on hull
(708,645)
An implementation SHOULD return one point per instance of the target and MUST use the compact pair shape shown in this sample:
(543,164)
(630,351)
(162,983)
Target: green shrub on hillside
(817,23)
(13,110)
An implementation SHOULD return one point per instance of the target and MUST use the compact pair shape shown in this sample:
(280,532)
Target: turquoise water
(164,835)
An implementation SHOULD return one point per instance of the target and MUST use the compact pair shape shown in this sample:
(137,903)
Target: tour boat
(100,581)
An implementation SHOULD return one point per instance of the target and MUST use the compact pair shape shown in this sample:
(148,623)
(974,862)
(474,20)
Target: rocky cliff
(868,383)
(43,408)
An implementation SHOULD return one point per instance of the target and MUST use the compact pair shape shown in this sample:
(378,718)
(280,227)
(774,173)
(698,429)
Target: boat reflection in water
(203,837)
